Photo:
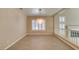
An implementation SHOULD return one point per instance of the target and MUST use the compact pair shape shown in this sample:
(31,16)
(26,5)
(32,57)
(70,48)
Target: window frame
(40,26)
(62,23)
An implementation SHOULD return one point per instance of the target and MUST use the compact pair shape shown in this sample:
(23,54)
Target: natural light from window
(62,25)
(38,24)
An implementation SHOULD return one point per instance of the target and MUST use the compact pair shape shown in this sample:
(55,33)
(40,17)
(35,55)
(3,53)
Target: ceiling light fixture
(20,8)
(37,11)
(40,11)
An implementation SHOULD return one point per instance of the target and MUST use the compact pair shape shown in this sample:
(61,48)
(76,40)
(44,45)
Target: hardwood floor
(38,42)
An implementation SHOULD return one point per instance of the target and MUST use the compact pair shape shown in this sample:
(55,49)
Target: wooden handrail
(72,30)
(69,29)
(72,25)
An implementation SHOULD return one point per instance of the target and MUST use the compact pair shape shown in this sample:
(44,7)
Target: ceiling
(40,11)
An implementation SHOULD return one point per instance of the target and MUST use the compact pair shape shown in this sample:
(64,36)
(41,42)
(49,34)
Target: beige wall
(48,20)
(12,26)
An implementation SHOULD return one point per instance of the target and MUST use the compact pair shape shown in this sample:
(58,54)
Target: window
(38,24)
(62,24)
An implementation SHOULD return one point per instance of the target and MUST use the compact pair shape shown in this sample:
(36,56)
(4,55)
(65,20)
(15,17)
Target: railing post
(66,30)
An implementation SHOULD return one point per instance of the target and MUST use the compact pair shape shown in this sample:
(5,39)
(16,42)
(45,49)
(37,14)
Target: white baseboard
(40,33)
(16,41)
(24,36)
(67,42)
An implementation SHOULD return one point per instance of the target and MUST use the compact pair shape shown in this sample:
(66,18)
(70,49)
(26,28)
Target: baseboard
(67,42)
(22,36)
(40,33)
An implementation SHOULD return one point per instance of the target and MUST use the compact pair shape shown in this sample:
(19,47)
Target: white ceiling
(43,12)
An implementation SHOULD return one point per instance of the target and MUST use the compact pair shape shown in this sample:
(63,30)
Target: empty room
(39,28)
